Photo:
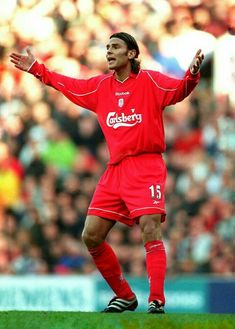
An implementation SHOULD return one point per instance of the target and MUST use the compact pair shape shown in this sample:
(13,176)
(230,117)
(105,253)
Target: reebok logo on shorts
(155,202)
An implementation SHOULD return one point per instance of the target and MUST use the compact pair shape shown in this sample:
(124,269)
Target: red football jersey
(129,112)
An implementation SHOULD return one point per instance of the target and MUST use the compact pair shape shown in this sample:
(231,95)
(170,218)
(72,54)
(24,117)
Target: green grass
(92,320)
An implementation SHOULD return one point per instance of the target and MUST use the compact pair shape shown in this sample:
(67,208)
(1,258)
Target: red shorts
(130,189)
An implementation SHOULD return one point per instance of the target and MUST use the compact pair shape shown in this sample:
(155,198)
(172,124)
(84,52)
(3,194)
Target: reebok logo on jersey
(122,93)
(116,120)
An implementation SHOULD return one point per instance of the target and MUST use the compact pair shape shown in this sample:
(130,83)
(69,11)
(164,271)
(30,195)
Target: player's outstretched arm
(196,62)
(80,91)
(23,62)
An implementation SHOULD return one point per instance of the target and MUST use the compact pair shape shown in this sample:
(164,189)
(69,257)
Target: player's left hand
(196,62)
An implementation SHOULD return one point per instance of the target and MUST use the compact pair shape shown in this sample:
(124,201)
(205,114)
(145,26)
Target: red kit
(130,116)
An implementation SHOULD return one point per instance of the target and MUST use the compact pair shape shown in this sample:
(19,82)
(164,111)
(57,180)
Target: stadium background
(52,152)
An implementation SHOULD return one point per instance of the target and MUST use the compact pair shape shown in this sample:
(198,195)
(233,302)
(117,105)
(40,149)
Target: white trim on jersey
(91,92)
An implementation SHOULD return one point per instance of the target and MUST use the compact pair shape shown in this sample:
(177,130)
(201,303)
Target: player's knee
(95,231)
(151,227)
(91,238)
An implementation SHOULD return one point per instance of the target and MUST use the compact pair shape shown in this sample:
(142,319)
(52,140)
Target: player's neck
(122,75)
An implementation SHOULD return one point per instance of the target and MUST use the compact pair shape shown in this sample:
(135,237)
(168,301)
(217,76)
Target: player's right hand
(23,62)
(196,62)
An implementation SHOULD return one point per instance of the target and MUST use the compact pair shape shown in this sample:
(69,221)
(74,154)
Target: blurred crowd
(52,152)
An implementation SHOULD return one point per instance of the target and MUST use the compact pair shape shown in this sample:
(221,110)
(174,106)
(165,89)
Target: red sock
(156,269)
(108,265)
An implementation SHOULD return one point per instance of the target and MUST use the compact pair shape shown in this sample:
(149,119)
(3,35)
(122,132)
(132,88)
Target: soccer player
(129,104)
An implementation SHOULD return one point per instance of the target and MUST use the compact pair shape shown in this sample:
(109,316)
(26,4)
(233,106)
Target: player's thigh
(106,201)
(143,185)
(95,230)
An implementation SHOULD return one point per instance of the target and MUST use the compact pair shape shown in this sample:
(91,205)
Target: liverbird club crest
(120,102)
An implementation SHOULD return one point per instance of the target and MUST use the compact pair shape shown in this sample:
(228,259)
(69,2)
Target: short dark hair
(131,44)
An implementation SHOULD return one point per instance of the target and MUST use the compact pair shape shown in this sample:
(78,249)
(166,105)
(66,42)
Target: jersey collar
(131,76)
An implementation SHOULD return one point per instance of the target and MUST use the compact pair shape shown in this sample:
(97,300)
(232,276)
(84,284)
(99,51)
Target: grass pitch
(93,320)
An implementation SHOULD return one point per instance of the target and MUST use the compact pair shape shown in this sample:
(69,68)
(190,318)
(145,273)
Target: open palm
(23,62)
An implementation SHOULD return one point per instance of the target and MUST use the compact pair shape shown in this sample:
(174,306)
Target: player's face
(118,55)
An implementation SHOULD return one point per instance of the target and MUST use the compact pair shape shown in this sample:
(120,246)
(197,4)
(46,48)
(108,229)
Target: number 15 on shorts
(155,191)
